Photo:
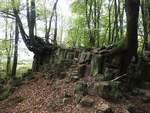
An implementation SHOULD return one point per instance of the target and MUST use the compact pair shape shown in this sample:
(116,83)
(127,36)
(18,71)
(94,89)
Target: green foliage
(5,50)
(95,13)
(23,67)
(78,33)
(78,7)
(5,93)
(4,46)
(41,10)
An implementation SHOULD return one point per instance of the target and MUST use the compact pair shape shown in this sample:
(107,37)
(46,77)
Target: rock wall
(88,60)
(91,62)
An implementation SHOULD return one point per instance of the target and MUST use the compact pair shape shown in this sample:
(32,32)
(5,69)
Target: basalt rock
(110,73)
(86,102)
(97,65)
(81,88)
(109,90)
(82,70)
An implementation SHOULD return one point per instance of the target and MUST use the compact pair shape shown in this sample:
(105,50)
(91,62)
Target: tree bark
(145,26)
(40,48)
(131,42)
(15,58)
(50,22)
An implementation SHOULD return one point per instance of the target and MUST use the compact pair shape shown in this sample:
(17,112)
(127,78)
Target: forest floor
(40,95)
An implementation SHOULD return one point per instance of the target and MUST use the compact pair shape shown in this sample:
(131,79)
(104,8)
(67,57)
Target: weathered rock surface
(104,108)
(81,88)
(108,90)
(86,102)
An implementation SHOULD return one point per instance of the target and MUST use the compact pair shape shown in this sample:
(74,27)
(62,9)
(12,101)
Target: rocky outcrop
(109,90)
(89,60)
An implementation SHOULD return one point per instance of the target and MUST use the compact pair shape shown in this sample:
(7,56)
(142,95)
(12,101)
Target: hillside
(57,95)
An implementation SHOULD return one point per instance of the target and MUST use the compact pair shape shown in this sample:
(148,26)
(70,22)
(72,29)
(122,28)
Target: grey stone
(104,108)
(86,102)
(75,78)
(97,65)
(102,88)
(78,98)
(108,90)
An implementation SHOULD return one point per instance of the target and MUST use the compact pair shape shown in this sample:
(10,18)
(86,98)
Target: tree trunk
(15,59)
(88,19)
(50,22)
(41,48)
(145,26)
(55,30)
(8,48)
(131,43)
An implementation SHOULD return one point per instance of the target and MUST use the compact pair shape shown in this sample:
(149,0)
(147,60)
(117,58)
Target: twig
(117,78)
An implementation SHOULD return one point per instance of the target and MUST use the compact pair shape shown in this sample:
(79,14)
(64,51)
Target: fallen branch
(117,78)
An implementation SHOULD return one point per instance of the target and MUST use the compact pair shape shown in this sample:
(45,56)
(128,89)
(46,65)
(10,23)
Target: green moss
(81,88)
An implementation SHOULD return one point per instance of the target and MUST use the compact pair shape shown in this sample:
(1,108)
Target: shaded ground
(40,93)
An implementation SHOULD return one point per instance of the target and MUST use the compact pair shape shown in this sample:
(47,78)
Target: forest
(75,56)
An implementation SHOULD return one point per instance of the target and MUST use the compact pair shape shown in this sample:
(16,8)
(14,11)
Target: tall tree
(131,43)
(41,48)
(128,49)
(144,10)
(47,34)
(15,58)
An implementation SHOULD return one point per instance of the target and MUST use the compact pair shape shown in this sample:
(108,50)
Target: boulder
(78,98)
(108,90)
(74,78)
(116,92)
(103,89)
(86,102)
(104,108)
(81,88)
